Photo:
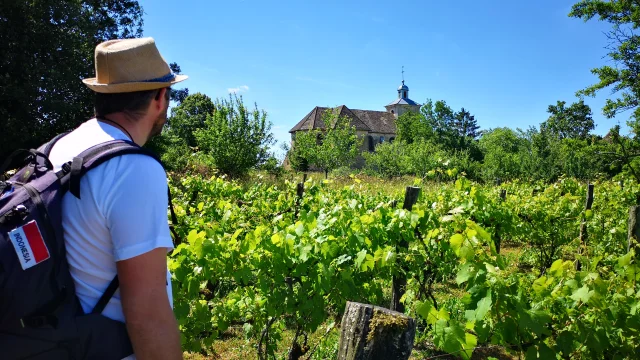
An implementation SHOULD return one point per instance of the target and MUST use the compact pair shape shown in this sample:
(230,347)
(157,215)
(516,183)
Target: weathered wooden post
(400,279)
(633,232)
(299,194)
(583,225)
(498,240)
(370,332)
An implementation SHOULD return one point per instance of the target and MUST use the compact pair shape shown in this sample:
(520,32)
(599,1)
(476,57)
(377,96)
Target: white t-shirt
(121,213)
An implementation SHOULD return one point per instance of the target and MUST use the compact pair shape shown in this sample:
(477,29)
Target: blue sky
(504,61)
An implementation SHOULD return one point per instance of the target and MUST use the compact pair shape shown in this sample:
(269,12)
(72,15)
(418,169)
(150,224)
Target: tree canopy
(573,122)
(623,47)
(47,48)
(327,149)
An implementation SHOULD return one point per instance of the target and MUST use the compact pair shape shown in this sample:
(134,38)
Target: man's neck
(132,128)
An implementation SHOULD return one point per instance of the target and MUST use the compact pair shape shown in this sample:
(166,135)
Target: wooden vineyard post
(299,194)
(633,233)
(498,241)
(583,225)
(400,279)
(370,332)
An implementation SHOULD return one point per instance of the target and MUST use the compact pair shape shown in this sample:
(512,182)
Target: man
(119,223)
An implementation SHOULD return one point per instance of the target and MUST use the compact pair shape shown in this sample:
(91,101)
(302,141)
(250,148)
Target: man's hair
(133,104)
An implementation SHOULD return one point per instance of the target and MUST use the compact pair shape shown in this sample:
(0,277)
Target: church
(375,126)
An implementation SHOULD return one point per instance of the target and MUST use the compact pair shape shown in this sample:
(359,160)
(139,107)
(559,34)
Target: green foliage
(48,47)
(389,159)
(574,122)
(502,148)
(189,117)
(178,95)
(203,135)
(173,150)
(421,158)
(335,146)
(249,260)
(623,47)
(300,154)
(411,126)
(236,138)
(465,124)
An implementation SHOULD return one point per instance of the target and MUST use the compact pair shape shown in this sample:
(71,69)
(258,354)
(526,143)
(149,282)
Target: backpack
(40,314)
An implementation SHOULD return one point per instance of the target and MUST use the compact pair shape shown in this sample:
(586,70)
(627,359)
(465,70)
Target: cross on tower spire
(402,74)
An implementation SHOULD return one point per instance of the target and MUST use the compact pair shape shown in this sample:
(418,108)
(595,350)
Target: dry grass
(233,345)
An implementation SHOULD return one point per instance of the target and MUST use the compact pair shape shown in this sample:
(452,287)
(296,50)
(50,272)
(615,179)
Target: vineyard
(528,269)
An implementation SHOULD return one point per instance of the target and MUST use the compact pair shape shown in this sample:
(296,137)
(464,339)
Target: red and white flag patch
(29,245)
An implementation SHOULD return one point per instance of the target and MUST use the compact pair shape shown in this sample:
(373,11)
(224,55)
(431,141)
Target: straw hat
(127,65)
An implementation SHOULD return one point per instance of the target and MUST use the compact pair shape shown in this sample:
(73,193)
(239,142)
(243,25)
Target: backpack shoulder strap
(97,155)
(106,296)
(46,147)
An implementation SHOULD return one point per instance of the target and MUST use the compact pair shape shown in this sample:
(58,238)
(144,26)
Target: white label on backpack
(29,245)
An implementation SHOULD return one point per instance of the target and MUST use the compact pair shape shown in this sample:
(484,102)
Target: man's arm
(151,324)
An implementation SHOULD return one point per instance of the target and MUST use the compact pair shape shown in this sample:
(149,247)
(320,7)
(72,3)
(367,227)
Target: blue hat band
(170,76)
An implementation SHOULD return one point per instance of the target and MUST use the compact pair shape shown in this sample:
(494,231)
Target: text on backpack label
(29,245)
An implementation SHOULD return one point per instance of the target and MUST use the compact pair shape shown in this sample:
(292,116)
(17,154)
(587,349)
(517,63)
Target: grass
(233,346)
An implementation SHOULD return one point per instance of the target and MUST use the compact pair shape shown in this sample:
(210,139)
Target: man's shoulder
(92,134)
(136,165)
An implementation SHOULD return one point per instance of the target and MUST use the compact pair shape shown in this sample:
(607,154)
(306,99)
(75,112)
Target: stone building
(375,126)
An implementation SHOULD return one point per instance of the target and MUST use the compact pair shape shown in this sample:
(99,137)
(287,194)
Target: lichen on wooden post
(374,333)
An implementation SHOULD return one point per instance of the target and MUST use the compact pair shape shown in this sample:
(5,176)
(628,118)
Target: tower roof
(403,101)
(403,87)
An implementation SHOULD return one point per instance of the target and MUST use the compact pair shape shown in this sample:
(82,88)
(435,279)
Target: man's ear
(161,98)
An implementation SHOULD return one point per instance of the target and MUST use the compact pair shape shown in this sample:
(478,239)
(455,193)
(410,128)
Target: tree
(178,95)
(465,124)
(236,138)
(412,126)
(502,148)
(389,159)
(438,117)
(189,116)
(623,47)
(574,122)
(47,48)
(330,148)
(301,153)
(623,78)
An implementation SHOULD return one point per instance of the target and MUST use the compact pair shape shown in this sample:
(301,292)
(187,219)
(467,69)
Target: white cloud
(238,89)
